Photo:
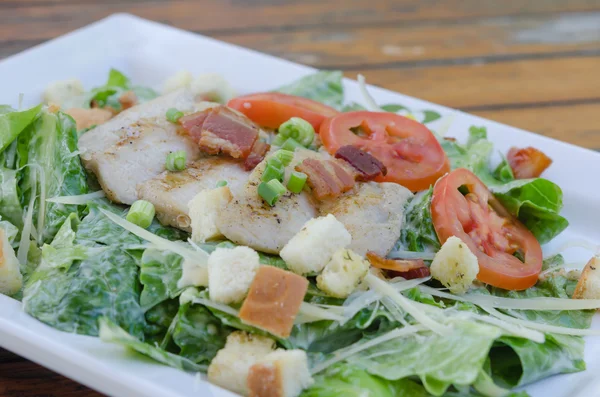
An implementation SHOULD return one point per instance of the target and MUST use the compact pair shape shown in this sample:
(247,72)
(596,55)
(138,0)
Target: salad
(289,243)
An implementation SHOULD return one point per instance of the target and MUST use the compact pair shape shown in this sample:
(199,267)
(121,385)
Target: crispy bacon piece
(368,167)
(257,154)
(527,162)
(327,178)
(221,130)
(406,268)
(127,100)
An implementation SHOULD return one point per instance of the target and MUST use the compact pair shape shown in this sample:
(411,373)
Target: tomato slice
(488,229)
(412,155)
(272,109)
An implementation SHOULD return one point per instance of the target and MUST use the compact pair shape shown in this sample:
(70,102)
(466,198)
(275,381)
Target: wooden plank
(489,40)
(579,125)
(19,377)
(213,16)
(473,86)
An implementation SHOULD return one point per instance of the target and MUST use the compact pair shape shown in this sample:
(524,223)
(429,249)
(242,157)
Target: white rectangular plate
(149,52)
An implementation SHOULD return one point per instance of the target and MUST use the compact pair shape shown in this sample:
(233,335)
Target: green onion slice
(173,115)
(296,182)
(141,213)
(299,129)
(176,161)
(271,191)
(285,156)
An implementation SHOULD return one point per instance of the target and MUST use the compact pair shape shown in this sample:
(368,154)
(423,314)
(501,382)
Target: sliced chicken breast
(132,147)
(170,192)
(372,212)
(248,220)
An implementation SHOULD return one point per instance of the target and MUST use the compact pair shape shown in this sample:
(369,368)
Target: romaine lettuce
(199,333)
(324,86)
(74,285)
(433,357)
(112,333)
(159,273)
(47,151)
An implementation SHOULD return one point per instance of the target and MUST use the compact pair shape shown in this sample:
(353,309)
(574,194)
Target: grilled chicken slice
(248,220)
(372,213)
(170,192)
(132,147)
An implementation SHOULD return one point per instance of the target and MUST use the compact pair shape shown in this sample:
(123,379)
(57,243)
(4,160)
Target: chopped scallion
(291,144)
(176,160)
(285,156)
(299,129)
(141,213)
(272,172)
(296,182)
(271,191)
(173,115)
(221,183)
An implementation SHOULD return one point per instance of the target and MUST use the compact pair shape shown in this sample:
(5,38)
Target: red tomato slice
(490,232)
(412,155)
(272,109)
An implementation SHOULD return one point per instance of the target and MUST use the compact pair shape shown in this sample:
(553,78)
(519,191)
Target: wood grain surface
(531,64)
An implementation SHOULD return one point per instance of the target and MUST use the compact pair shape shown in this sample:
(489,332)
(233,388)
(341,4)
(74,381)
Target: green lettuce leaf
(324,86)
(516,361)
(159,319)
(348,381)
(10,204)
(48,151)
(112,333)
(13,122)
(537,203)
(159,273)
(198,333)
(75,285)
(108,94)
(431,357)
(417,232)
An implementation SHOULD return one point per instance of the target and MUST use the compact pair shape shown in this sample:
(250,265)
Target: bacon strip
(368,166)
(327,178)
(257,154)
(221,130)
(527,162)
(408,269)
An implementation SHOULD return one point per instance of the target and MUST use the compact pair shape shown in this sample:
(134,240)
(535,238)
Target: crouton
(455,266)
(282,373)
(204,209)
(86,118)
(274,300)
(11,279)
(229,368)
(212,87)
(314,245)
(230,273)
(588,286)
(178,80)
(193,275)
(60,92)
(343,273)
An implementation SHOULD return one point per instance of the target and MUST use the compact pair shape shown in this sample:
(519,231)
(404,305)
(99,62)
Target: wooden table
(532,64)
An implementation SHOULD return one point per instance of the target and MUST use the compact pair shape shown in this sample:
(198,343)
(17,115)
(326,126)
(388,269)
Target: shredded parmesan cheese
(198,256)
(79,199)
